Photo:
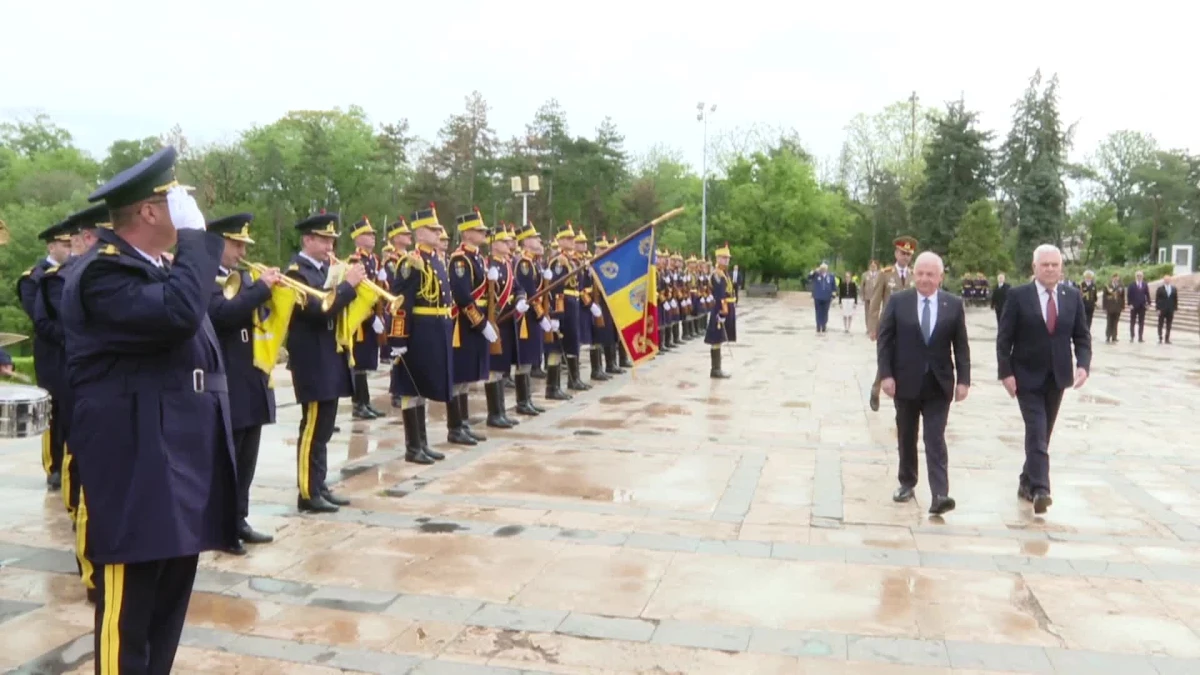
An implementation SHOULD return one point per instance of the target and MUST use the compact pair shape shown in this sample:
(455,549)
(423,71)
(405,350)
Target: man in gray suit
(919,330)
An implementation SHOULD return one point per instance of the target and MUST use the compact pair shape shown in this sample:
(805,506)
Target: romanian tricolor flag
(625,275)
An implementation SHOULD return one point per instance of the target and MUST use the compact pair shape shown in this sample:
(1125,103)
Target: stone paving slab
(666,522)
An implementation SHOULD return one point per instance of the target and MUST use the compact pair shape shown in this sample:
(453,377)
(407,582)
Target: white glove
(596,311)
(185,214)
(522,306)
(378,325)
(493,274)
(554,325)
(381,275)
(401,350)
(547,274)
(674,304)
(547,325)
(710,298)
(489,332)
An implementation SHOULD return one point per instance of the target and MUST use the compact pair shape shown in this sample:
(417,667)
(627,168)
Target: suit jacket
(1138,297)
(1164,303)
(1026,349)
(1000,296)
(903,354)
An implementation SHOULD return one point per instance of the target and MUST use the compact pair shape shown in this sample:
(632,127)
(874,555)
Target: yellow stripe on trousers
(66,481)
(46,458)
(110,631)
(306,440)
(85,566)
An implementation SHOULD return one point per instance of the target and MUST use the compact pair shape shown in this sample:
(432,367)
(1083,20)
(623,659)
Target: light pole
(532,183)
(702,116)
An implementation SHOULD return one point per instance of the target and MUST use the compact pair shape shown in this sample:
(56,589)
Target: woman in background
(848,296)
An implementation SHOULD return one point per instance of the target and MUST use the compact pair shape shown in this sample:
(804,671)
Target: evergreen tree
(978,244)
(957,174)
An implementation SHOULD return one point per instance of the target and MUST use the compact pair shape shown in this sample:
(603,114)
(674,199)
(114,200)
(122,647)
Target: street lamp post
(702,116)
(518,190)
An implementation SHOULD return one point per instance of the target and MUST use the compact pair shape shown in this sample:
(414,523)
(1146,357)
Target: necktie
(926,328)
(1051,312)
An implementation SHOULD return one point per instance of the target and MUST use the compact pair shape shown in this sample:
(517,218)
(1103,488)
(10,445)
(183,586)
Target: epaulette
(886,269)
(52,270)
(109,249)
(27,272)
(293,268)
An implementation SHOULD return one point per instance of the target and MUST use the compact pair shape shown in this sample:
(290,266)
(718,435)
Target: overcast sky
(220,66)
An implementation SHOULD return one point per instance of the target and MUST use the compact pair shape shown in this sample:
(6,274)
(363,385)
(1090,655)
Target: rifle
(496,348)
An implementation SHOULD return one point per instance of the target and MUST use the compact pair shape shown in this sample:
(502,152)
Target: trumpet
(394,302)
(233,284)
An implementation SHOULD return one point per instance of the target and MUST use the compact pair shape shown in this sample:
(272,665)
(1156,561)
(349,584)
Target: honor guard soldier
(423,323)
(679,288)
(565,309)
(604,331)
(662,285)
(722,320)
(531,326)
(399,239)
(589,309)
(320,373)
(251,397)
(150,430)
(443,246)
(509,297)
(890,280)
(368,335)
(46,366)
(472,330)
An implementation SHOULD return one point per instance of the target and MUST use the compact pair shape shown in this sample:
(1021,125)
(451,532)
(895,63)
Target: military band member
(422,323)
(722,322)
(565,308)
(399,239)
(531,326)
(472,331)
(46,365)
(591,311)
(890,280)
(1114,307)
(150,426)
(320,373)
(509,297)
(367,336)
(604,331)
(251,398)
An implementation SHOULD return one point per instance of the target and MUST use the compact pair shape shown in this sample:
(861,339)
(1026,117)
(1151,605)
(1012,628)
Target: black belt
(197,381)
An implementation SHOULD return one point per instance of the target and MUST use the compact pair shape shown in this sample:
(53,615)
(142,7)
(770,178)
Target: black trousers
(53,438)
(139,615)
(1089,311)
(316,428)
(1167,318)
(1137,316)
(933,405)
(245,444)
(1110,330)
(1039,409)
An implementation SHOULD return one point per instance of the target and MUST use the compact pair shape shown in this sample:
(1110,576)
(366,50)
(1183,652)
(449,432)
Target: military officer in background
(1091,294)
(367,336)
(150,426)
(531,326)
(320,374)
(890,279)
(1114,306)
(251,398)
(472,331)
(46,366)
(510,299)
(722,321)
(422,323)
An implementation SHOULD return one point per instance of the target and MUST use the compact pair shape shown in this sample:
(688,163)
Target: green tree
(978,244)
(956,174)
(123,154)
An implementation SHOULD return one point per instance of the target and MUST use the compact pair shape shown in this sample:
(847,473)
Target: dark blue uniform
(722,319)
(468,288)
(45,367)
(420,336)
(529,278)
(566,311)
(320,374)
(250,394)
(366,341)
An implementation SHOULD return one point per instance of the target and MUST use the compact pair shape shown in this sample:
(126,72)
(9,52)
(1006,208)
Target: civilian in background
(1138,298)
(1166,301)
(1000,295)
(824,286)
(848,298)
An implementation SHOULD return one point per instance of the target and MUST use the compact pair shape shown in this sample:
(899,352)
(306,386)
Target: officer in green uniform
(890,279)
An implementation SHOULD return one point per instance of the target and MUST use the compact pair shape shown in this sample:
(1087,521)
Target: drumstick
(19,377)
(7,339)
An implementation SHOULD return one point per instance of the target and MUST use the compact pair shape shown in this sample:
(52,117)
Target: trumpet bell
(233,284)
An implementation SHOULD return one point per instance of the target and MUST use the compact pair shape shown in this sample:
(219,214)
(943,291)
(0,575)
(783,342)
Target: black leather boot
(678,331)
(508,382)
(495,413)
(252,536)
(361,397)
(413,452)
(466,419)
(456,430)
(429,452)
(537,372)
(554,390)
(525,404)
(316,504)
(573,381)
(597,365)
(610,360)
(512,420)
(717,373)
(624,360)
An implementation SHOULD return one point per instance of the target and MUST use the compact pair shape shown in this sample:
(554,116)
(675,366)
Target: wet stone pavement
(668,523)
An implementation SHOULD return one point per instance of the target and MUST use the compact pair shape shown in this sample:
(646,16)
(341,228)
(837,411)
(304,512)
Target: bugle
(394,302)
(233,284)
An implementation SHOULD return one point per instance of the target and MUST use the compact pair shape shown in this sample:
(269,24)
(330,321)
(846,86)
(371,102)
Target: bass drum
(24,411)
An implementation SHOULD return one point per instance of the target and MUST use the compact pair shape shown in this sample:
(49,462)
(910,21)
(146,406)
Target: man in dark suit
(1166,301)
(919,328)
(1041,322)
(1137,297)
(1000,295)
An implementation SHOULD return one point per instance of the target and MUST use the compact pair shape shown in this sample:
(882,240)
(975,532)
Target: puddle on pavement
(663,409)
(618,400)
(592,423)
(797,404)
(440,528)
(1097,399)
(1035,547)
(509,531)
(686,385)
